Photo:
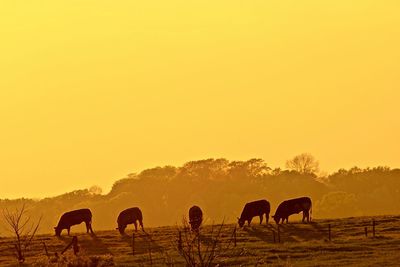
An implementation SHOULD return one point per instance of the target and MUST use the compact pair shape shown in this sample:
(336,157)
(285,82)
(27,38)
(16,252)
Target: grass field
(301,245)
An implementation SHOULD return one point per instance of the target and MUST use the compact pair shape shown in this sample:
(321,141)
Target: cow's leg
(287,219)
(261,218)
(249,221)
(135,223)
(90,227)
(308,216)
(267,217)
(68,229)
(141,224)
(304,216)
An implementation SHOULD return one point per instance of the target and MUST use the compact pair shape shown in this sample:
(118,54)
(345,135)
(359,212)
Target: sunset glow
(91,91)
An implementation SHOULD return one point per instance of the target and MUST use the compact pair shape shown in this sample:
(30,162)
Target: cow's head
(121,229)
(276,218)
(57,230)
(241,222)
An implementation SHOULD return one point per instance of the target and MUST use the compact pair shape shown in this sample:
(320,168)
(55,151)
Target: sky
(91,90)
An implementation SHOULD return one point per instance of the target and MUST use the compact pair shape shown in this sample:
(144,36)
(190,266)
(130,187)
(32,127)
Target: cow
(129,216)
(195,218)
(74,217)
(252,209)
(293,206)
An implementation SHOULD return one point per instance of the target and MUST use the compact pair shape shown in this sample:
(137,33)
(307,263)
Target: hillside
(301,245)
(221,188)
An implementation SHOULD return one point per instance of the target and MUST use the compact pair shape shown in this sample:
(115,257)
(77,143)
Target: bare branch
(20,224)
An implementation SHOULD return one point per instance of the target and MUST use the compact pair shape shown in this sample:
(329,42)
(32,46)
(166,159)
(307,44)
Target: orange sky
(93,90)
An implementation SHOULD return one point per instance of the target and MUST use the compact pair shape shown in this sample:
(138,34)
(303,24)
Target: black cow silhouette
(252,209)
(293,206)
(129,216)
(74,217)
(195,218)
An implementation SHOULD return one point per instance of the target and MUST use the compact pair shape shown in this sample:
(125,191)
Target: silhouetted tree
(22,228)
(304,163)
(253,168)
(95,190)
(221,187)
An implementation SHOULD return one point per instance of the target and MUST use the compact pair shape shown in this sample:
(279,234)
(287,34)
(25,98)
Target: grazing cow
(252,209)
(293,206)
(129,216)
(74,217)
(195,218)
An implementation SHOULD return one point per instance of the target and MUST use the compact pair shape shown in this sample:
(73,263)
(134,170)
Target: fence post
(329,231)
(133,243)
(373,228)
(366,231)
(75,245)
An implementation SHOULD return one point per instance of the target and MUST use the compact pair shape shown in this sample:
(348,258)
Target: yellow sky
(93,90)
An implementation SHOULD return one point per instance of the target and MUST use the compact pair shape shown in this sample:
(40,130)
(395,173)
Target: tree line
(221,188)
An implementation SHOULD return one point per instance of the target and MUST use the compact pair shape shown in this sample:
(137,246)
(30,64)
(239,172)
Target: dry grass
(302,245)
